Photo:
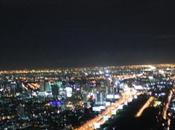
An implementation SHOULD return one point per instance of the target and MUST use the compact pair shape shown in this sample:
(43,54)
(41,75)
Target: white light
(107,75)
(96,109)
(108,103)
(97,125)
(114,112)
(117,96)
(68,91)
(117,82)
(162,72)
(17,94)
(34,94)
(106,118)
(126,103)
(43,94)
(120,107)
(100,72)
(130,99)
(152,67)
(162,94)
(107,71)
(138,87)
(110,96)
(150,77)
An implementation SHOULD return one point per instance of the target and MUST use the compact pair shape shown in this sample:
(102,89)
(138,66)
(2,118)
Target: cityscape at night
(102,98)
(87,65)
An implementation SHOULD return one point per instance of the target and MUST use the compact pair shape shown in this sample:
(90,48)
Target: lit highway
(89,98)
(89,125)
(166,107)
(146,105)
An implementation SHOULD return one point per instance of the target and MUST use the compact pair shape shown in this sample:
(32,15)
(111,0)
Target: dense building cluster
(67,98)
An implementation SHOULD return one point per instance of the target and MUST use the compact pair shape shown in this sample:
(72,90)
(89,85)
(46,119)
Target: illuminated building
(47,86)
(55,90)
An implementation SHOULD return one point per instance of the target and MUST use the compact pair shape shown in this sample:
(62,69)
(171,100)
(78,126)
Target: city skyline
(87,65)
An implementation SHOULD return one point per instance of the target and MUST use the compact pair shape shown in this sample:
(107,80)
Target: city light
(86,98)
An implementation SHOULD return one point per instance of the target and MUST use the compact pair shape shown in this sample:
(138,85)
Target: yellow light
(146,105)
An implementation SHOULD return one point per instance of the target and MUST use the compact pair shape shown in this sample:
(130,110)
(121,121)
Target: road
(89,125)
(146,105)
(166,107)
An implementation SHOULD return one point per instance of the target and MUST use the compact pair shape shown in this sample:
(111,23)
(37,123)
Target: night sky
(54,33)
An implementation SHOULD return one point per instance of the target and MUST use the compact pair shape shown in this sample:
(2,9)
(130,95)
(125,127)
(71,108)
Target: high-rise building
(13,87)
(42,85)
(99,99)
(47,86)
(55,90)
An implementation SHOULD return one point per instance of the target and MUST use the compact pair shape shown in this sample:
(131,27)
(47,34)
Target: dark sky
(53,33)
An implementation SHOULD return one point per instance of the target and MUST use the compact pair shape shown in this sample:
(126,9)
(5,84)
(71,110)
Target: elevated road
(90,125)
